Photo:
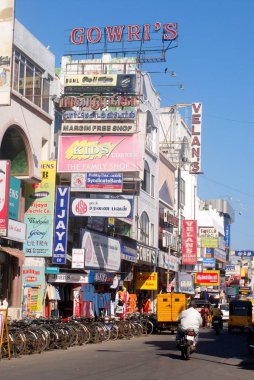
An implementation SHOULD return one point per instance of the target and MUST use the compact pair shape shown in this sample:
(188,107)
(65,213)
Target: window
(144,228)
(146,182)
(152,185)
(27,80)
(152,235)
(182,192)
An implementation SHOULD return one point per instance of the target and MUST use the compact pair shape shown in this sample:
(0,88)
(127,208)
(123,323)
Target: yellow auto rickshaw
(240,315)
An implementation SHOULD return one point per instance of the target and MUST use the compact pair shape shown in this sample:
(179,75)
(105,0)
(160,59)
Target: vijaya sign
(118,33)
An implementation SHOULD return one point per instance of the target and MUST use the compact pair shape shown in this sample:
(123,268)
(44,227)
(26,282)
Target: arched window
(146,181)
(144,228)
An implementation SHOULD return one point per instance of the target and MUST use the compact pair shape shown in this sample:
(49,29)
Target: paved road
(146,358)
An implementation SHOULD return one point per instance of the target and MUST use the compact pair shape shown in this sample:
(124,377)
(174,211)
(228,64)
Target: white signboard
(208,231)
(78,258)
(101,252)
(107,208)
(16,231)
(69,278)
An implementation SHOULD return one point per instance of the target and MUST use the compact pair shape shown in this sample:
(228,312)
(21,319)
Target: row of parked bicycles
(38,335)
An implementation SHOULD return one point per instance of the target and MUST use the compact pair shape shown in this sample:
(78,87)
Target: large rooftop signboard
(149,42)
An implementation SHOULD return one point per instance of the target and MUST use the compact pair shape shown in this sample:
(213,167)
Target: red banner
(189,242)
(4,196)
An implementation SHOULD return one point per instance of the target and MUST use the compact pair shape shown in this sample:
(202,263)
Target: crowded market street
(147,358)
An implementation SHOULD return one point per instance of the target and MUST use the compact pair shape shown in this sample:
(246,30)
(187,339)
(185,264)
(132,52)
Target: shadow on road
(226,349)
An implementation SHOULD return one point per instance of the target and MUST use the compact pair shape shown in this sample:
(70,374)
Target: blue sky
(214,61)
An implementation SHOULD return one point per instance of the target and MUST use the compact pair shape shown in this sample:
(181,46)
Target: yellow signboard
(147,281)
(209,242)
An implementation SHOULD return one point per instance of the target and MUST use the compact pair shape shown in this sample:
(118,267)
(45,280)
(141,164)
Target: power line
(229,187)
(233,120)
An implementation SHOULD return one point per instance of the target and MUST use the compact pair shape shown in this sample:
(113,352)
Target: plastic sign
(211,277)
(61,224)
(196,138)
(147,280)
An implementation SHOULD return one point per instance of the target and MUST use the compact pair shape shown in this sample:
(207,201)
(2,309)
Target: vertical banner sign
(39,215)
(189,242)
(6,40)
(61,224)
(4,195)
(227,236)
(196,124)
(14,196)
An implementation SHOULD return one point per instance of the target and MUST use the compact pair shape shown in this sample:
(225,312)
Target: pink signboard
(4,196)
(189,242)
(100,154)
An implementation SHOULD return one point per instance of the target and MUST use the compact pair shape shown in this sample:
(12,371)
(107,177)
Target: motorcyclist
(217,314)
(189,319)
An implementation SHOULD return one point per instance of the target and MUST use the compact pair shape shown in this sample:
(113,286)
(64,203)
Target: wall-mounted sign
(52,270)
(4,193)
(14,196)
(227,236)
(114,128)
(244,253)
(185,283)
(189,242)
(39,215)
(114,208)
(78,258)
(97,182)
(146,254)
(98,102)
(61,224)
(147,281)
(120,83)
(101,252)
(119,115)
(68,278)
(96,277)
(196,138)
(16,231)
(101,153)
(220,255)
(210,277)
(209,262)
(208,232)
(209,242)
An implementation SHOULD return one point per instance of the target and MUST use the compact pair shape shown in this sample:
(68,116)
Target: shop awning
(13,252)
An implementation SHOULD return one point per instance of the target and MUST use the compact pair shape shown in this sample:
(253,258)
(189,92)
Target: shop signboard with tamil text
(211,277)
(147,281)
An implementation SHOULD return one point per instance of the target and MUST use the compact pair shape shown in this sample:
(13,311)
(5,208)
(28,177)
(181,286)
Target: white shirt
(190,319)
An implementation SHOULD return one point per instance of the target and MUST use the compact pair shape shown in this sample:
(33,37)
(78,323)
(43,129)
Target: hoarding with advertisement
(189,242)
(101,252)
(78,258)
(98,128)
(227,236)
(113,115)
(16,231)
(61,224)
(220,255)
(147,281)
(100,154)
(33,285)
(96,277)
(14,196)
(209,277)
(6,42)
(4,196)
(209,262)
(185,283)
(196,122)
(244,253)
(98,102)
(209,242)
(114,208)
(111,84)
(208,231)
(97,182)
(39,215)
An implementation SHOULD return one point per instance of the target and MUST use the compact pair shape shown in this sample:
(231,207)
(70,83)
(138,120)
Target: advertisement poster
(33,284)
(101,252)
(61,224)
(6,41)
(185,283)
(78,258)
(114,208)
(39,215)
(14,196)
(4,196)
(189,242)
(209,277)
(97,182)
(147,281)
(100,154)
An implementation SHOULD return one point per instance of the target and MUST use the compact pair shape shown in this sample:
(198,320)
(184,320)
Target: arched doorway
(14,148)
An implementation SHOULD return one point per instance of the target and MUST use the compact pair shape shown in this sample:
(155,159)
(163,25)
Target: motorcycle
(250,340)
(216,325)
(187,343)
